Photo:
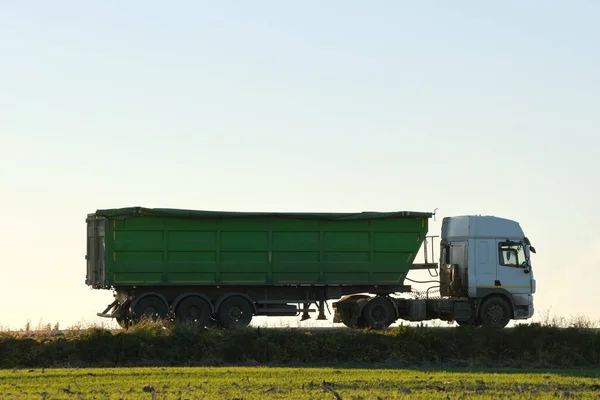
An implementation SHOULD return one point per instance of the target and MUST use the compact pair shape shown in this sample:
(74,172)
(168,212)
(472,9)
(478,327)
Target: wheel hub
(495,312)
(235,314)
(379,314)
(193,313)
(150,311)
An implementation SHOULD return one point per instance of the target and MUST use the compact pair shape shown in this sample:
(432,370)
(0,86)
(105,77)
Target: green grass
(294,383)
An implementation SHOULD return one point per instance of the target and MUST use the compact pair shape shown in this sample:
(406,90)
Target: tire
(234,312)
(495,312)
(152,307)
(360,322)
(379,313)
(346,315)
(194,310)
(123,323)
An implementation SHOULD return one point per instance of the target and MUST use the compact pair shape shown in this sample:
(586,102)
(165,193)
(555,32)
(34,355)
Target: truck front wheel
(379,313)
(495,312)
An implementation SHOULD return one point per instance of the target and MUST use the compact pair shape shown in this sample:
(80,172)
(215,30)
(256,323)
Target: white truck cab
(485,279)
(487,258)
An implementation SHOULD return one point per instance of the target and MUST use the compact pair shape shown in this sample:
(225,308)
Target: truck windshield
(512,254)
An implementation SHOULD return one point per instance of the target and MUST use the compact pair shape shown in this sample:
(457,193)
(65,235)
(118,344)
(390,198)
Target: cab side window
(512,254)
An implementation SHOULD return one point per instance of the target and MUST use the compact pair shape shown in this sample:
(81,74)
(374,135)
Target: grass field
(185,362)
(294,383)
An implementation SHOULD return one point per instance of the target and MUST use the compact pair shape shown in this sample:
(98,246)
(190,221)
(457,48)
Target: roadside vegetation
(536,345)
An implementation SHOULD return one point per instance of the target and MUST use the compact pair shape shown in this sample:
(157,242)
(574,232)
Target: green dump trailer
(223,268)
(232,265)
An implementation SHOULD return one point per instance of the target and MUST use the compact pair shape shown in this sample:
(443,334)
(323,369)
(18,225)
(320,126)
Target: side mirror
(532,249)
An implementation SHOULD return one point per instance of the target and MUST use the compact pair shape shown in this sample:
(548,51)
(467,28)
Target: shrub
(532,345)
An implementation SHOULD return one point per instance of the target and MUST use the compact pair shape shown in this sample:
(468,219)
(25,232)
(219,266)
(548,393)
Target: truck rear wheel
(348,309)
(193,310)
(235,311)
(379,313)
(360,322)
(495,312)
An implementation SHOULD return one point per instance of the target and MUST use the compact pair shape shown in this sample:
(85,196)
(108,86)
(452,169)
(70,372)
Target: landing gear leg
(321,316)
(305,315)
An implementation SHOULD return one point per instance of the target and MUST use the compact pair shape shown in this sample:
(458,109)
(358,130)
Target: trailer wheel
(151,307)
(495,312)
(379,313)
(193,310)
(235,311)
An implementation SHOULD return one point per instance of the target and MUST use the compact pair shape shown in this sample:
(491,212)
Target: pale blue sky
(469,107)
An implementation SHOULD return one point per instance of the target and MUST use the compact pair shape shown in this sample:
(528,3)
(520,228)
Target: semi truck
(224,268)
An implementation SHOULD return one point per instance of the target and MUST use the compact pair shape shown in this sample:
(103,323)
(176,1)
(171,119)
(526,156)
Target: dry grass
(543,318)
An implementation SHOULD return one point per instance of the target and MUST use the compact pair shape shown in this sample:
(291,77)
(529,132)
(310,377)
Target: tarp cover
(179,213)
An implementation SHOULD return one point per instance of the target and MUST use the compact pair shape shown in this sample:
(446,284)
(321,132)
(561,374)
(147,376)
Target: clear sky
(470,107)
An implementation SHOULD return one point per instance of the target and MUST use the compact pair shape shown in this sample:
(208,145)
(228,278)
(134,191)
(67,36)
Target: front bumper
(525,309)
(531,308)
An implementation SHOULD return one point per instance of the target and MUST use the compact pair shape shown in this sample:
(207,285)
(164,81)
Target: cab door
(513,272)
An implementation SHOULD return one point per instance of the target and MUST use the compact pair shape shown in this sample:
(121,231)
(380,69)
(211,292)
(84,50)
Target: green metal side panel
(262,249)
